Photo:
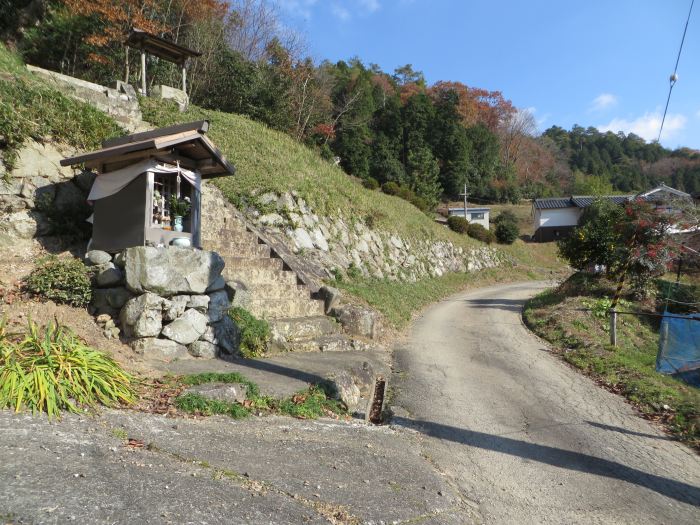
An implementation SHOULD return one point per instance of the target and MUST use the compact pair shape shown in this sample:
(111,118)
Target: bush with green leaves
(255,333)
(390,188)
(63,280)
(507,232)
(370,183)
(633,240)
(49,369)
(457,224)
(478,232)
(506,216)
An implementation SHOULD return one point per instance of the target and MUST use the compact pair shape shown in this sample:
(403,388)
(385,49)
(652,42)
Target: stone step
(325,343)
(252,252)
(280,291)
(254,276)
(234,245)
(275,309)
(302,328)
(236,263)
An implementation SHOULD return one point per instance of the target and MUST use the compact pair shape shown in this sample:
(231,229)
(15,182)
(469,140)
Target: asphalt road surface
(522,436)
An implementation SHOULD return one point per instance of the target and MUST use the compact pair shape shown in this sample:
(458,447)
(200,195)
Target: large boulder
(358,320)
(170,270)
(346,390)
(109,277)
(107,300)
(187,328)
(175,307)
(203,349)
(142,316)
(230,392)
(159,349)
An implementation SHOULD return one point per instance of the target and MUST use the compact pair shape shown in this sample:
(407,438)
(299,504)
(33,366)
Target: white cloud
(370,5)
(647,126)
(340,12)
(603,101)
(298,8)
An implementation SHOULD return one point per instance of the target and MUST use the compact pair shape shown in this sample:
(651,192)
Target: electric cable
(674,76)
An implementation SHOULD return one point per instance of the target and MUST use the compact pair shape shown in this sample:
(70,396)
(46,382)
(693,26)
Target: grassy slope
(29,109)
(581,338)
(267,160)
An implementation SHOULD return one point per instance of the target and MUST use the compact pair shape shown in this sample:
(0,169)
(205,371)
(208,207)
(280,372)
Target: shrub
(255,333)
(391,188)
(506,216)
(61,280)
(50,370)
(477,231)
(457,224)
(370,183)
(507,232)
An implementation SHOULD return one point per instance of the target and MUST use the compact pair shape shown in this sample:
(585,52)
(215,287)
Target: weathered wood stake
(143,72)
(613,327)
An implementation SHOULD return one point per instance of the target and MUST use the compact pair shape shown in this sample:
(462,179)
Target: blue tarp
(679,347)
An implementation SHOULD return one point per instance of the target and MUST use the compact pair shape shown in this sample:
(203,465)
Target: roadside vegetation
(49,369)
(615,244)
(574,318)
(255,333)
(399,301)
(312,403)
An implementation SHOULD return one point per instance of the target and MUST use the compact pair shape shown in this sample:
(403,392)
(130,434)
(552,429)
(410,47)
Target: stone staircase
(271,289)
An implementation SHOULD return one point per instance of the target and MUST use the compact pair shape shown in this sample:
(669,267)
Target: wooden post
(184,78)
(613,327)
(143,72)
(126,65)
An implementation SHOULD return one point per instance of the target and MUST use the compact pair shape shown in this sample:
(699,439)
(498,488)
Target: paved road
(523,436)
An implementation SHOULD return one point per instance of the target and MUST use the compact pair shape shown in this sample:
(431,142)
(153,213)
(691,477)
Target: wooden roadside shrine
(139,175)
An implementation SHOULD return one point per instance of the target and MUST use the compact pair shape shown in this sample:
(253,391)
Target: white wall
(558,217)
(484,222)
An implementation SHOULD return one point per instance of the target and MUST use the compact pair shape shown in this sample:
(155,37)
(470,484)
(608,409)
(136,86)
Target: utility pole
(465,200)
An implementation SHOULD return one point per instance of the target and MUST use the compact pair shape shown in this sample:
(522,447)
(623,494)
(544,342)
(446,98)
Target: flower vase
(177,223)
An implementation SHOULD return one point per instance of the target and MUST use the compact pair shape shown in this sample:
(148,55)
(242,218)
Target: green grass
(311,403)
(30,109)
(255,333)
(629,369)
(398,301)
(271,161)
(49,369)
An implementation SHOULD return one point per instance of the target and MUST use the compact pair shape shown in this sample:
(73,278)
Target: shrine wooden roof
(183,143)
(159,46)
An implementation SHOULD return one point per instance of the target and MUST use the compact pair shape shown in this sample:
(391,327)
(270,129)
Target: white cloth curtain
(114,181)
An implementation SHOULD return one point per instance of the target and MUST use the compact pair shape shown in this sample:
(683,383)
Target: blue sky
(602,63)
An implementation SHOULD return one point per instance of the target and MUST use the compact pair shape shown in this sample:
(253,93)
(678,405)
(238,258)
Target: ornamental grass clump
(49,369)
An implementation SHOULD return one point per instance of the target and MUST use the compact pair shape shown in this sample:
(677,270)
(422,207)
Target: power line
(674,76)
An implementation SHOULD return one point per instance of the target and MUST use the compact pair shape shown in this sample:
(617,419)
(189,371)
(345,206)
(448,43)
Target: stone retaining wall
(167,302)
(329,245)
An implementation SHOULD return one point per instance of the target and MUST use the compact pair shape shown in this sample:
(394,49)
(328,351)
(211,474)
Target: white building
(475,215)
(557,217)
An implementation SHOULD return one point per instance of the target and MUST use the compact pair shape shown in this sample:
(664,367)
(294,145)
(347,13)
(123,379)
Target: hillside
(270,161)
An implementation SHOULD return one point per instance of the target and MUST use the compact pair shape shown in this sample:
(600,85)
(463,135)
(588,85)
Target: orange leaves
(476,105)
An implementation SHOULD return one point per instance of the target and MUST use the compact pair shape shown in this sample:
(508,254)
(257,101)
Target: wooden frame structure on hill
(162,48)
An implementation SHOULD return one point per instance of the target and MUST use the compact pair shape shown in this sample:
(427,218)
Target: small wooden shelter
(136,176)
(162,48)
